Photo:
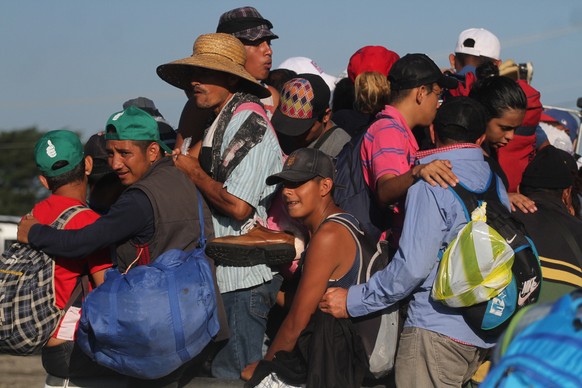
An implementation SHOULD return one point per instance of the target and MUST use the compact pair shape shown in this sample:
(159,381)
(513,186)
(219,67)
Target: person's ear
(43,181)
(420,94)
(326,185)
(480,140)
(567,200)
(326,116)
(88,165)
(153,152)
(452,61)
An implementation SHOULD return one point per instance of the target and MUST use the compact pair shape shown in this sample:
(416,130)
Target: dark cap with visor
(414,70)
(304,164)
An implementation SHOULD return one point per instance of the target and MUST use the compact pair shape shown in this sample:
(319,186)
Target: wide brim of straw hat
(179,73)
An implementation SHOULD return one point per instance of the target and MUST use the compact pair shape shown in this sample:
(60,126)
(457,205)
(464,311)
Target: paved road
(27,372)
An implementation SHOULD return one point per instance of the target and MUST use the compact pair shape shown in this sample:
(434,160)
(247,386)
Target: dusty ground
(27,372)
(21,372)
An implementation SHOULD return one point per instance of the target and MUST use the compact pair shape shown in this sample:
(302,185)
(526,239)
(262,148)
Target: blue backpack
(542,347)
(352,194)
(149,321)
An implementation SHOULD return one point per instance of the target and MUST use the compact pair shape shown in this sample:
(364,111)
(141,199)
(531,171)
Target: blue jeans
(247,311)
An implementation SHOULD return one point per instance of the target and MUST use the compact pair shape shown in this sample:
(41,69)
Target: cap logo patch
(317,67)
(117,116)
(296,99)
(290,161)
(51,151)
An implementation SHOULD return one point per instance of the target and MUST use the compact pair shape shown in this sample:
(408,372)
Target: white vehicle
(8,228)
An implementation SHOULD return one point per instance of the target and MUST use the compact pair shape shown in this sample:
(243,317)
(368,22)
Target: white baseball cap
(478,42)
(306,65)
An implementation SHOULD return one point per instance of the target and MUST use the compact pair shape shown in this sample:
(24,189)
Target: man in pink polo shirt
(389,147)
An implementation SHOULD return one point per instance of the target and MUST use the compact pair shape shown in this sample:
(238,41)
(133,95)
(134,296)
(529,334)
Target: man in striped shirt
(389,147)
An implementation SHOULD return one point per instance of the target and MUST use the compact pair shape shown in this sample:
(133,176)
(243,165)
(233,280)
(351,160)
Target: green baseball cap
(58,146)
(133,123)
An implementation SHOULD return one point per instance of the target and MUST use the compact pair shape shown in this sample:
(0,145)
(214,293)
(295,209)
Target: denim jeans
(247,311)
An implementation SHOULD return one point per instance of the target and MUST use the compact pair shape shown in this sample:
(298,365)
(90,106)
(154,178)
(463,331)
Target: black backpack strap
(471,199)
(350,222)
(81,289)
(506,225)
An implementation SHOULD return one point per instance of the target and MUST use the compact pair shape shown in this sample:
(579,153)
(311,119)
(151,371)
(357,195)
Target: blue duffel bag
(148,322)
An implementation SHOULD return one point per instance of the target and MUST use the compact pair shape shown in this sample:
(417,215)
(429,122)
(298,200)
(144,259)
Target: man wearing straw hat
(239,151)
(254,31)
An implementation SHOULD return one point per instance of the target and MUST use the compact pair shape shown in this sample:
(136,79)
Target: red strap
(253,106)
(464,88)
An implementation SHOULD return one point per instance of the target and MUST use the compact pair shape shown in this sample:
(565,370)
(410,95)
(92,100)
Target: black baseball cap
(95,147)
(303,100)
(304,164)
(552,168)
(414,70)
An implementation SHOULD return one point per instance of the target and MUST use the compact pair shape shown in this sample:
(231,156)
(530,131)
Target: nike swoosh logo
(510,240)
(522,298)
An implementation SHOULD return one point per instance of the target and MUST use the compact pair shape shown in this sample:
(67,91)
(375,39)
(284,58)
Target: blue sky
(71,63)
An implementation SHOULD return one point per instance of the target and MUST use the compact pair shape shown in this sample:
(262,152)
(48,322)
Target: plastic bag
(476,266)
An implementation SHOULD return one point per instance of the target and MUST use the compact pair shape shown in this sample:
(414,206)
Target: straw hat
(221,52)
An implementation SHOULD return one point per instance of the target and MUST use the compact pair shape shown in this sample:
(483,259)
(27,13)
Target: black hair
(344,95)
(278,77)
(144,144)
(397,96)
(77,174)
(468,59)
(498,95)
(487,69)
(460,120)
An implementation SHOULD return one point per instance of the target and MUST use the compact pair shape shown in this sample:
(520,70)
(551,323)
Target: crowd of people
(252,141)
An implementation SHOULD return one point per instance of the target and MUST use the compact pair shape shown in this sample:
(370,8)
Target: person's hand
(437,172)
(186,163)
(521,202)
(334,302)
(24,227)
(248,372)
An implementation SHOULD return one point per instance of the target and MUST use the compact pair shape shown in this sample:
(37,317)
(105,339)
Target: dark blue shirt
(130,217)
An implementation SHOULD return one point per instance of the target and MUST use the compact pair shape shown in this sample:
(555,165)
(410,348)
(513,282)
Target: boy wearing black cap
(435,338)
(303,118)
(389,147)
(554,228)
(307,183)
(64,171)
